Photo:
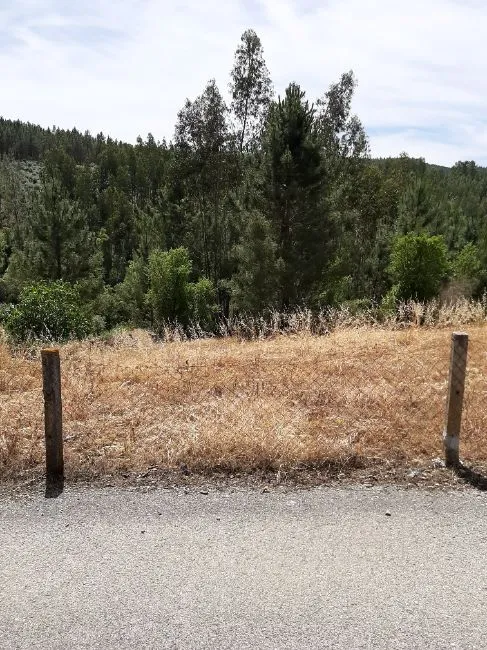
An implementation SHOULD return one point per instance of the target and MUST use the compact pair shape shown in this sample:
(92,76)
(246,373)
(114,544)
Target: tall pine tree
(295,182)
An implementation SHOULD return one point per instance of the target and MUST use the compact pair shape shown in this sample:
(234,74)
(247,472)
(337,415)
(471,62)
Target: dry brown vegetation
(352,398)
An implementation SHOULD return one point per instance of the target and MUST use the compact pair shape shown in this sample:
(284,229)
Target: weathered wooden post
(454,404)
(53,414)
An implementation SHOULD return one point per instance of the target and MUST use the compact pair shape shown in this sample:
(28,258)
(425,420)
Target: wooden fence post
(454,404)
(53,414)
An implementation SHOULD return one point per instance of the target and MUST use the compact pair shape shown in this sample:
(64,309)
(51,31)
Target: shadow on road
(472,477)
(54,488)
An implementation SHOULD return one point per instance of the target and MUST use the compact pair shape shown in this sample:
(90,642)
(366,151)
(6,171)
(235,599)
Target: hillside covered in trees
(269,202)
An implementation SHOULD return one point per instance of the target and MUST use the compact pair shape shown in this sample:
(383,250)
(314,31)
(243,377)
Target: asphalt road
(326,568)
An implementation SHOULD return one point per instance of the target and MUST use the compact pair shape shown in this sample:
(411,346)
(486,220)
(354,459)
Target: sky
(125,67)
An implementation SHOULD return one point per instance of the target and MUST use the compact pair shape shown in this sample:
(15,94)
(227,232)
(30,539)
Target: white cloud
(125,67)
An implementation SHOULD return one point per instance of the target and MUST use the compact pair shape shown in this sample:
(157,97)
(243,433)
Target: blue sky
(125,67)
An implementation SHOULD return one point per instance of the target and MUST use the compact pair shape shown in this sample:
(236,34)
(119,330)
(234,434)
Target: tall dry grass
(436,313)
(279,402)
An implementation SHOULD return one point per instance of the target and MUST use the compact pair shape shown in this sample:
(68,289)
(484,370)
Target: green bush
(125,303)
(172,298)
(390,301)
(48,311)
(466,264)
(467,270)
(168,295)
(202,303)
(419,266)
(110,307)
(132,292)
(5,311)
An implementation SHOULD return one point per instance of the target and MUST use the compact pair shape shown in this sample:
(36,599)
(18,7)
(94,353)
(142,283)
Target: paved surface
(314,569)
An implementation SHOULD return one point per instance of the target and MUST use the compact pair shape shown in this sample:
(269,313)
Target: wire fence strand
(287,401)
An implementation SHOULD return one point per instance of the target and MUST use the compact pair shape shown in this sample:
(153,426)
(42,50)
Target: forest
(267,203)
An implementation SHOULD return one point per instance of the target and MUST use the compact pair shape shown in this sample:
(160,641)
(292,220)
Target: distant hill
(25,141)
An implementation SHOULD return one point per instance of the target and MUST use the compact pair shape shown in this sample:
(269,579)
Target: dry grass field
(354,398)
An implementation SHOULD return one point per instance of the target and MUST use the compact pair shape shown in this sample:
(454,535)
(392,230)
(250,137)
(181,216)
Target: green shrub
(125,303)
(390,301)
(168,295)
(419,265)
(202,303)
(5,311)
(132,292)
(467,263)
(467,270)
(48,311)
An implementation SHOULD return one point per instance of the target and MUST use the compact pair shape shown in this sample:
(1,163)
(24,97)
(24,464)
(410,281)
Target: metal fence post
(53,414)
(454,404)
